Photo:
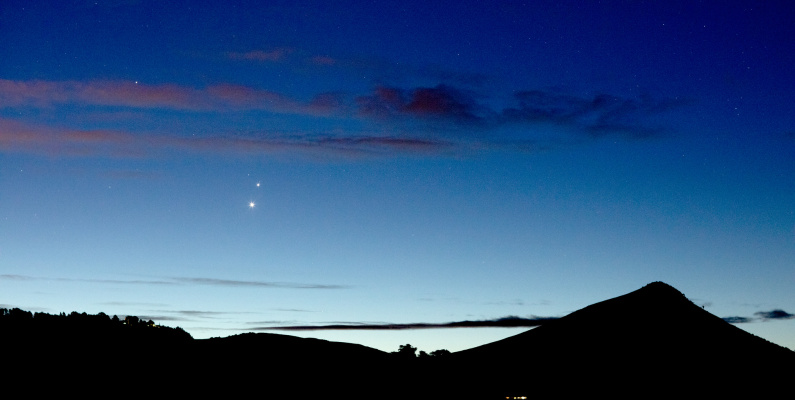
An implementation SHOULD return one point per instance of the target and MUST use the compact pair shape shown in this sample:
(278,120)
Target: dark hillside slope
(289,365)
(650,340)
(63,353)
(95,355)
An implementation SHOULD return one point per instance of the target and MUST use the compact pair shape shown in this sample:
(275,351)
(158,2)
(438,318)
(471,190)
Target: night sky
(237,167)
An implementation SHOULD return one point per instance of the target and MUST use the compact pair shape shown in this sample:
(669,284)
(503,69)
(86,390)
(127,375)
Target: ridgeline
(653,341)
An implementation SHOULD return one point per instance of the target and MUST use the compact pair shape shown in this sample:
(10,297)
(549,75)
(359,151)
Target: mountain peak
(656,313)
(660,288)
(657,293)
(660,285)
(653,337)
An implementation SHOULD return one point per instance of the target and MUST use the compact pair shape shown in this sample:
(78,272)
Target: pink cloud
(16,136)
(21,137)
(132,94)
(35,93)
(221,97)
(427,102)
(112,93)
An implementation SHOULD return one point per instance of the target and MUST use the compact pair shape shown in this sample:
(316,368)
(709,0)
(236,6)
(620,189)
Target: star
(257,184)
(251,205)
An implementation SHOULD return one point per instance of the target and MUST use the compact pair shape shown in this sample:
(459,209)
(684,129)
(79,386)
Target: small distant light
(251,205)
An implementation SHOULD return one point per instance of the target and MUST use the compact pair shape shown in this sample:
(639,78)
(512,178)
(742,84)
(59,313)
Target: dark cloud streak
(262,284)
(737,320)
(599,115)
(774,314)
(442,101)
(506,322)
(763,316)
(21,137)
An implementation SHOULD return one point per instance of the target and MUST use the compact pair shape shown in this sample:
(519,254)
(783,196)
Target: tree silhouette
(406,351)
(440,353)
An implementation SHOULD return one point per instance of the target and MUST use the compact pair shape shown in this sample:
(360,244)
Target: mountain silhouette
(650,342)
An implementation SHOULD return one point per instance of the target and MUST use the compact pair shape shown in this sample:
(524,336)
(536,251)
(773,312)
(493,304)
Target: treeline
(54,354)
(50,355)
(23,326)
(409,352)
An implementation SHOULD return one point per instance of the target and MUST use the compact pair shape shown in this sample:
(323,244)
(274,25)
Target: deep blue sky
(407,163)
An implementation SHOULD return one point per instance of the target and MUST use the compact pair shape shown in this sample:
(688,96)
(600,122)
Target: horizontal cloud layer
(505,322)
(761,316)
(418,119)
(40,139)
(221,97)
(186,281)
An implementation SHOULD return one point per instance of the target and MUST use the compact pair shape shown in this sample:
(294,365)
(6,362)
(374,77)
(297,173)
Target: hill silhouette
(648,342)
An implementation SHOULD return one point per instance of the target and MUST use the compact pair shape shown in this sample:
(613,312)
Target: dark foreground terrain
(651,342)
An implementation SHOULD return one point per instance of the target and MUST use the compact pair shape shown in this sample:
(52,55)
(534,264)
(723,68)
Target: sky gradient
(244,167)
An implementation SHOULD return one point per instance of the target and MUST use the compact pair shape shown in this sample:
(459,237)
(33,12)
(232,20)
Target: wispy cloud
(38,139)
(771,315)
(192,315)
(505,322)
(186,281)
(737,320)
(410,120)
(260,284)
(774,314)
(14,277)
(440,102)
(39,93)
(41,139)
(121,281)
(597,115)
(374,143)
(111,281)
(221,97)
